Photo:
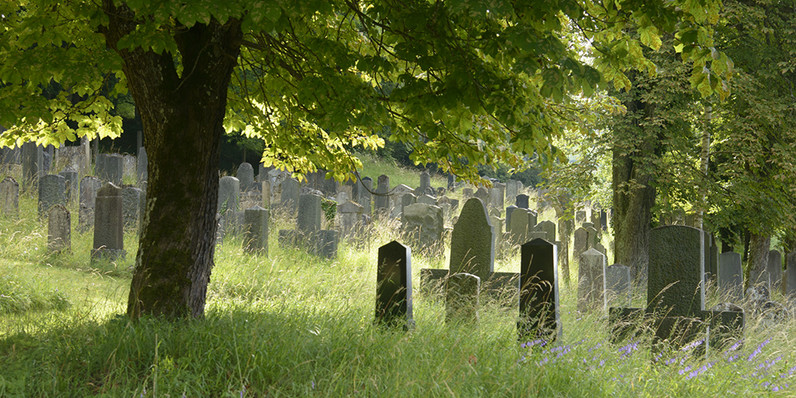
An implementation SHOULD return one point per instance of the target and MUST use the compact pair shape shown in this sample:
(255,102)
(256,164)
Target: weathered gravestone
(467,193)
(398,195)
(545,230)
(52,191)
(32,164)
(591,281)
(381,201)
(522,201)
(108,224)
(290,196)
(731,276)
(425,185)
(59,229)
(88,196)
(462,298)
(308,233)
(580,217)
(228,204)
(426,199)
(617,286)
(539,310)
(349,215)
(255,230)
(472,243)
(483,195)
(423,226)
(520,226)
(510,209)
(9,197)
(110,168)
(362,195)
(245,175)
(774,269)
(676,294)
(71,183)
(394,286)
(497,195)
(132,199)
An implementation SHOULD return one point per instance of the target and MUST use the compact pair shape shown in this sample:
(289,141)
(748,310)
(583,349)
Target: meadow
(291,324)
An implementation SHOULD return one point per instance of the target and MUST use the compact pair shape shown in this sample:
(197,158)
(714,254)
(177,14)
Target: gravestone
(108,224)
(591,281)
(774,269)
(425,185)
(790,272)
(59,229)
(731,276)
(129,165)
(462,298)
(539,309)
(290,196)
(472,244)
(423,225)
(52,191)
(467,193)
(131,206)
(32,164)
(141,166)
(381,201)
(9,197)
(482,194)
(309,216)
(509,210)
(228,203)
(255,230)
(519,228)
(512,190)
(110,168)
(72,184)
(365,197)
(398,197)
(327,243)
(394,286)
(548,228)
(617,285)
(497,196)
(88,195)
(426,199)
(676,293)
(580,217)
(522,201)
(350,218)
(245,175)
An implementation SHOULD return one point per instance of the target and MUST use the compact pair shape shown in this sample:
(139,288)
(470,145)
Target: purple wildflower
(758,350)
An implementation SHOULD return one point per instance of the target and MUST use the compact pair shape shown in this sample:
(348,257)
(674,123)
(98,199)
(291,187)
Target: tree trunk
(182,118)
(759,246)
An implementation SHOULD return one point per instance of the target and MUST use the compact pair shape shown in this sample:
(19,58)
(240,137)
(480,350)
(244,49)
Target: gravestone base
(103,254)
(499,284)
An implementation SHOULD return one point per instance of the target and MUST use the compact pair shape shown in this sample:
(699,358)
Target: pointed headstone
(394,286)
(539,308)
(472,243)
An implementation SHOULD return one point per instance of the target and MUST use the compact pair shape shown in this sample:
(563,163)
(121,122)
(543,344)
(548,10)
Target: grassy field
(296,325)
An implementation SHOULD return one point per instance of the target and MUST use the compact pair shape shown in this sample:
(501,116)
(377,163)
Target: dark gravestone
(59,229)
(289,197)
(522,201)
(731,276)
(472,245)
(381,201)
(52,191)
(394,286)
(509,210)
(110,168)
(539,315)
(676,293)
(309,216)
(108,224)
(255,230)
(32,164)
(591,281)
(774,268)
(9,197)
(790,273)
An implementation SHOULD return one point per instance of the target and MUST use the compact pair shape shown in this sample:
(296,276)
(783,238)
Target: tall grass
(292,324)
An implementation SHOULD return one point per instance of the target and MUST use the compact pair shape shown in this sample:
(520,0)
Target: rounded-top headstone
(472,243)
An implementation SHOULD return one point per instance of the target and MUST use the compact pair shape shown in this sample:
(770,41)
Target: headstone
(497,195)
(522,201)
(472,244)
(423,226)
(397,196)
(790,273)
(549,229)
(467,193)
(131,206)
(72,183)
(509,210)
(141,166)
(59,229)
(520,226)
(110,168)
(591,281)
(9,197)
(108,224)
(381,202)
(774,268)
(309,216)
(245,175)
(364,198)
(461,298)
(512,190)
(229,203)
(425,184)
(88,195)
(539,309)
(32,164)
(394,286)
(350,218)
(52,191)
(255,230)
(327,243)
(291,192)
(482,194)
(731,276)
(617,285)
(580,217)
(426,199)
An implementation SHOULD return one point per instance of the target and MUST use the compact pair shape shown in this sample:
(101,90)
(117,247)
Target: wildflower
(758,350)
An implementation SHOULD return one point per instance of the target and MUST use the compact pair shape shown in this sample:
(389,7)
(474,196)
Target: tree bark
(759,246)
(182,117)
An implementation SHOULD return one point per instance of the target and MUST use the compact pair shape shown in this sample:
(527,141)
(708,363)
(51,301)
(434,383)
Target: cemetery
(373,198)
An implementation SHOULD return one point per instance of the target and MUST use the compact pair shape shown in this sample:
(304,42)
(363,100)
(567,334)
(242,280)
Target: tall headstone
(497,196)
(364,196)
(394,286)
(246,176)
(229,203)
(289,198)
(141,166)
(88,195)
(425,184)
(32,164)
(591,281)
(309,216)
(539,309)
(382,200)
(774,268)
(472,244)
(617,285)
(108,223)
(59,229)
(423,226)
(731,276)
(110,168)
(52,191)
(131,206)
(9,197)
(255,230)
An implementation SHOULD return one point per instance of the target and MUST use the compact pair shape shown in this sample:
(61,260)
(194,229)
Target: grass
(295,325)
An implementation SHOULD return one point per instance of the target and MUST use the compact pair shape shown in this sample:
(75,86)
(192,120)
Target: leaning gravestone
(472,244)
(110,168)
(731,276)
(255,230)
(539,309)
(676,293)
(59,229)
(52,191)
(617,285)
(108,224)
(9,197)
(423,225)
(88,195)
(245,175)
(591,281)
(394,286)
